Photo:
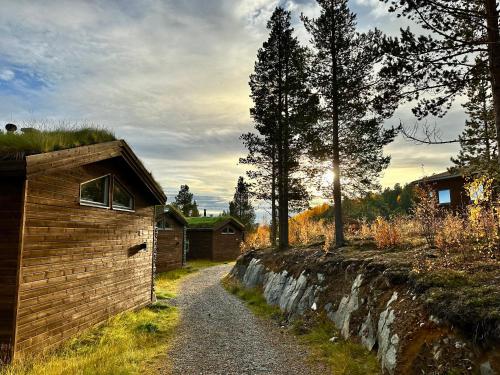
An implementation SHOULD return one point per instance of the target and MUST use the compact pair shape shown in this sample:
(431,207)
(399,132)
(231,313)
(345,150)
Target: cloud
(169,76)
(7,75)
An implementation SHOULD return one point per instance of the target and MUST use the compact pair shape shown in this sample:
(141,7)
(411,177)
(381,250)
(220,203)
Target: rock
(388,344)
(274,284)
(314,307)
(367,333)
(254,274)
(486,369)
(306,301)
(296,295)
(347,306)
(321,278)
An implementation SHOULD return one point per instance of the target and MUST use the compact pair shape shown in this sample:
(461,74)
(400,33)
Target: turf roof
(207,222)
(33,141)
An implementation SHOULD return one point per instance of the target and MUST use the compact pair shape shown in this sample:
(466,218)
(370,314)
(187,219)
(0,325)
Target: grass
(134,342)
(205,222)
(59,138)
(342,357)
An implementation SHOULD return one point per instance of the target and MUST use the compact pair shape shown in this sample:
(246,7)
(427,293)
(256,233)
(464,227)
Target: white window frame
(230,230)
(106,205)
(164,221)
(439,196)
(112,190)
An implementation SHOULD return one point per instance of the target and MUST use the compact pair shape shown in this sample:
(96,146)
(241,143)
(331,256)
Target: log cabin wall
(458,194)
(200,244)
(170,246)
(227,246)
(11,204)
(80,264)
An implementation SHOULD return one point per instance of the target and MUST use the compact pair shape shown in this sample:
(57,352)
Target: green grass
(134,342)
(205,222)
(342,357)
(59,138)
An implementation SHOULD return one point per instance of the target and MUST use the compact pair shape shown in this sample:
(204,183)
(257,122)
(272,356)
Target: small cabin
(214,238)
(76,244)
(171,240)
(449,189)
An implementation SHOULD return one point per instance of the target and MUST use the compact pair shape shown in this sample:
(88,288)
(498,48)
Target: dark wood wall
(80,264)
(227,246)
(200,244)
(170,246)
(11,196)
(458,194)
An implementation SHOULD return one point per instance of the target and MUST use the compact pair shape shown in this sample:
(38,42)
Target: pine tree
(194,210)
(459,37)
(240,207)
(478,151)
(183,200)
(284,106)
(351,131)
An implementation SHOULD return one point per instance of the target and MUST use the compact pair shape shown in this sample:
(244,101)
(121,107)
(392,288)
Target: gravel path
(219,335)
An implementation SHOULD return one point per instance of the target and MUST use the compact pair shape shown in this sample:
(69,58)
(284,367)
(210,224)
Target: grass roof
(33,141)
(206,222)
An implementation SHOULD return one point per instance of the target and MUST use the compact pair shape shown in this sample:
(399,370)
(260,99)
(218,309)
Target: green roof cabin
(214,238)
(77,219)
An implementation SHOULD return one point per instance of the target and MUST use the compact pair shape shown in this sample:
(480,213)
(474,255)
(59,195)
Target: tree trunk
(286,162)
(273,200)
(337,192)
(494,62)
(282,221)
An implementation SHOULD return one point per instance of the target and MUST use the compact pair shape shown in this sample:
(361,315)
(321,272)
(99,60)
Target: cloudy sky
(170,77)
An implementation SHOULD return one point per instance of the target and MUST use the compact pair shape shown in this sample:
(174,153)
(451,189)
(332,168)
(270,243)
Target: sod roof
(30,141)
(211,222)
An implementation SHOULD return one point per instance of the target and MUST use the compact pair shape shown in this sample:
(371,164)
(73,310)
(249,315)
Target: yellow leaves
(385,233)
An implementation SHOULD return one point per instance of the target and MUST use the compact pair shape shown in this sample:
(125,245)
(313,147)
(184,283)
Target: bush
(385,233)
(427,213)
(260,238)
(451,235)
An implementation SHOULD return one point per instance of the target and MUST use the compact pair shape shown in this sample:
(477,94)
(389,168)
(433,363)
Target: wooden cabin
(76,243)
(214,238)
(171,240)
(449,189)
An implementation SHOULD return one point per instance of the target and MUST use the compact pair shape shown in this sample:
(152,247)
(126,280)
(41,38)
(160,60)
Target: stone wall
(369,305)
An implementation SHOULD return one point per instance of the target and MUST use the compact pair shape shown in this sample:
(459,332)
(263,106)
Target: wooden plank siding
(200,244)
(226,246)
(170,246)
(79,265)
(11,203)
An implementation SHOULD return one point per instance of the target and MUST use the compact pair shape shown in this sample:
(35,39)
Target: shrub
(451,235)
(385,233)
(483,217)
(258,239)
(427,213)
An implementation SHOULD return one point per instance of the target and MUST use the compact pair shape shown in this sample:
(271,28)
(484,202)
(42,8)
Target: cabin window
(228,230)
(95,192)
(122,199)
(163,224)
(444,196)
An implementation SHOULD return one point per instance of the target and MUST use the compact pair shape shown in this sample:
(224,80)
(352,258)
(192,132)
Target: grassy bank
(130,343)
(341,356)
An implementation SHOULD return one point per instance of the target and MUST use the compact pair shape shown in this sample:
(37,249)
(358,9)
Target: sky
(171,78)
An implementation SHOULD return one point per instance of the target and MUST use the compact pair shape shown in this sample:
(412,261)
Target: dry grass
(46,139)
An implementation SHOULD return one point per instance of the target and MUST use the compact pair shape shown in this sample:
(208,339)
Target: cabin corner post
(153,256)
(19,266)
